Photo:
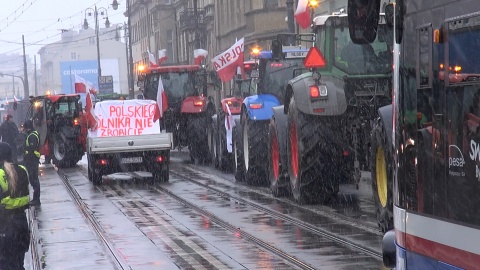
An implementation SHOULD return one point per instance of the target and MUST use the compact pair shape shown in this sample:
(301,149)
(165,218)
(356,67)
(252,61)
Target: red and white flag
(229,123)
(226,63)
(162,56)
(162,101)
(15,99)
(151,59)
(302,14)
(80,84)
(90,112)
(199,55)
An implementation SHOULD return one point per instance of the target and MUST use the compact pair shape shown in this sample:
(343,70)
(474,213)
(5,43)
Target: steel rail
(117,258)
(306,226)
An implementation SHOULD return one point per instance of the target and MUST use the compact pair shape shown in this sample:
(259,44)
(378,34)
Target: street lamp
(103,12)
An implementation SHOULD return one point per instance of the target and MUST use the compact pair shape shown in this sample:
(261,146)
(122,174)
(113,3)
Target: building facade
(76,53)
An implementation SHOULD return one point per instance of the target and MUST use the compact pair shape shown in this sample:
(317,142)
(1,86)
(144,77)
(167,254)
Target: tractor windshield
(363,59)
(277,74)
(177,86)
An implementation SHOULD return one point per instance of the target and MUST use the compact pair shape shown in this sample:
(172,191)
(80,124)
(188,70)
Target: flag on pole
(162,101)
(229,124)
(151,59)
(80,84)
(199,55)
(302,14)
(162,56)
(89,110)
(226,63)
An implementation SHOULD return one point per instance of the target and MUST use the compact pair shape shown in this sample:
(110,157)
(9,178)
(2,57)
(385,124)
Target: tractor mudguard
(333,104)
(196,104)
(385,114)
(259,107)
(234,104)
(281,123)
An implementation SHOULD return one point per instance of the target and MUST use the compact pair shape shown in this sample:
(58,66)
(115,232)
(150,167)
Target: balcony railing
(187,19)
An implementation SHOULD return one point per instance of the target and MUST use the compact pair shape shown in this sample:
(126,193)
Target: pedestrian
(32,159)
(14,231)
(9,133)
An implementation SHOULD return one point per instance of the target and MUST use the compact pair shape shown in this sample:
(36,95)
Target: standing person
(32,158)
(14,231)
(9,133)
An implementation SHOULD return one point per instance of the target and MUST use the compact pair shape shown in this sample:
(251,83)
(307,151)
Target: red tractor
(189,109)
(59,120)
(222,155)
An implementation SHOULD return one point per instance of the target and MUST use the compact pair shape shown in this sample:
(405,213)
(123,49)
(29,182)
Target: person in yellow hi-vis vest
(14,232)
(32,159)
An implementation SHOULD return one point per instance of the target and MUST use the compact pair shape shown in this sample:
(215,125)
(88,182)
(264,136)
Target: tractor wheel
(255,150)
(61,152)
(309,159)
(197,128)
(238,153)
(224,158)
(382,184)
(276,167)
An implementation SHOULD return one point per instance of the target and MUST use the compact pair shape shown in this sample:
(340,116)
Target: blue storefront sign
(86,69)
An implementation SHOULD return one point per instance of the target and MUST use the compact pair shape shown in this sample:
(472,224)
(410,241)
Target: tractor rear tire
(238,153)
(277,172)
(197,128)
(309,160)
(255,150)
(381,176)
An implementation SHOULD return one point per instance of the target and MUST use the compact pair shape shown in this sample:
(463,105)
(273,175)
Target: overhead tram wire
(16,17)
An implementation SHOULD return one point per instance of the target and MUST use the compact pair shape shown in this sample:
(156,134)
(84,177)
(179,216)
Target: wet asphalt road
(152,230)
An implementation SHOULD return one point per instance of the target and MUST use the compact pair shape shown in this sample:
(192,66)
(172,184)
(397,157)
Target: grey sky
(40,21)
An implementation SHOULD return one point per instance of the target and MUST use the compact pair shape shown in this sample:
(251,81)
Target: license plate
(132,160)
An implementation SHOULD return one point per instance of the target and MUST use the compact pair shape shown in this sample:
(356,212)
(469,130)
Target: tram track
(306,226)
(97,228)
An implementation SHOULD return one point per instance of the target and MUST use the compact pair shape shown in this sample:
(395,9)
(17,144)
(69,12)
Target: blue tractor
(250,133)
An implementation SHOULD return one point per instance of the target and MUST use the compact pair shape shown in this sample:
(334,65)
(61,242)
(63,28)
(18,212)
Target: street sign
(105,84)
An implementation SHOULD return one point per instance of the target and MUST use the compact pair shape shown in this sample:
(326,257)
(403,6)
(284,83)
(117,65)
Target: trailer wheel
(94,174)
(255,150)
(311,179)
(237,151)
(197,126)
(276,168)
(381,175)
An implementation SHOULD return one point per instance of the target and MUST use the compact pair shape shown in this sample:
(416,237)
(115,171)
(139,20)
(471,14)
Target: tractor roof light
(141,68)
(313,3)
(255,51)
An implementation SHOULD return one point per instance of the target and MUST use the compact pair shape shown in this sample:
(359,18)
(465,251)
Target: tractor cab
(57,119)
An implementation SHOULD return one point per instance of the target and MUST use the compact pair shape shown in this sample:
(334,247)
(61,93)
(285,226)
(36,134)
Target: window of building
(73,56)
(270,3)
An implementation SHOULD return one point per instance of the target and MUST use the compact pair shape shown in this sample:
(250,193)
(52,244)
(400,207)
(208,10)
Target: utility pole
(290,18)
(26,91)
(35,73)
(131,93)
(197,34)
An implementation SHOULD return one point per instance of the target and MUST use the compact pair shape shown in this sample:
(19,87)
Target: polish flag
(199,55)
(226,63)
(162,56)
(90,112)
(302,14)
(229,123)
(80,84)
(162,101)
(151,59)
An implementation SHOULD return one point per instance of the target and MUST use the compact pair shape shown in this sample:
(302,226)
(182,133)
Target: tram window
(424,38)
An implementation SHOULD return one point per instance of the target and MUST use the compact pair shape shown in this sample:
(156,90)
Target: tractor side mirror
(363,17)
(277,50)
(393,13)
